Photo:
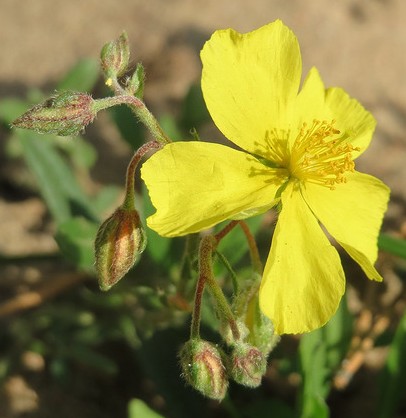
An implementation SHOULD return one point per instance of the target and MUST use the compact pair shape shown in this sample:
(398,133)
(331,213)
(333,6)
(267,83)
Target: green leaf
(337,335)
(194,110)
(392,245)
(58,186)
(130,129)
(40,158)
(157,247)
(315,387)
(393,378)
(139,409)
(170,127)
(82,77)
(11,109)
(92,358)
(261,409)
(107,199)
(321,353)
(81,153)
(75,238)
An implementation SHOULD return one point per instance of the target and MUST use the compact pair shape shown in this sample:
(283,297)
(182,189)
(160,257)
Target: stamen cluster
(320,155)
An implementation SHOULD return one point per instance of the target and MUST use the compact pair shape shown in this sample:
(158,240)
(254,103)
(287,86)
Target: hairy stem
(252,245)
(130,179)
(208,245)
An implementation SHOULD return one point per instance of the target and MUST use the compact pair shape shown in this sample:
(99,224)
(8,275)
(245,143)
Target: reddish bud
(203,368)
(66,113)
(115,56)
(247,365)
(119,243)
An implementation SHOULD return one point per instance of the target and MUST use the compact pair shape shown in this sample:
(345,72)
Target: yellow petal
(310,103)
(303,279)
(352,119)
(249,81)
(352,214)
(195,185)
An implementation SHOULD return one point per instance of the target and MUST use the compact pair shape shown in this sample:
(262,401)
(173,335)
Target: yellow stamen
(276,141)
(320,155)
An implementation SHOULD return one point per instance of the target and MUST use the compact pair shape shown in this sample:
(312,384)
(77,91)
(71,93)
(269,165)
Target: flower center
(320,155)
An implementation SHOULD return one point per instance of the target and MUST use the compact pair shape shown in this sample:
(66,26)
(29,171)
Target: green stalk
(208,245)
(252,245)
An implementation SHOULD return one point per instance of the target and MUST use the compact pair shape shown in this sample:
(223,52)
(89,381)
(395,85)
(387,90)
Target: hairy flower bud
(119,242)
(203,368)
(115,56)
(246,365)
(66,113)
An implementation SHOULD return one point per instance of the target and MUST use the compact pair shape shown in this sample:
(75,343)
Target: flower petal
(195,185)
(303,279)
(351,119)
(310,103)
(249,81)
(352,214)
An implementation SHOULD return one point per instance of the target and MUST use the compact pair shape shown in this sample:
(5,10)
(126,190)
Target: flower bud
(119,242)
(66,113)
(115,56)
(247,365)
(203,368)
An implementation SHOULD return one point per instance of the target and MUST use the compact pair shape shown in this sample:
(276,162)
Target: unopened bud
(203,368)
(247,365)
(119,243)
(115,56)
(66,113)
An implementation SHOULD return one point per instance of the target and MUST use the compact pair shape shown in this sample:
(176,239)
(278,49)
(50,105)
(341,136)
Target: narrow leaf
(11,109)
(392,245)
(75,238)
(321,353)
(158,247)
(393,379)
(130,129)
(82,77)
(56,181)
(139,409)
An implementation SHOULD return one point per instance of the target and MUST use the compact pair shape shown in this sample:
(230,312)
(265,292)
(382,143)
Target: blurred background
(356,44)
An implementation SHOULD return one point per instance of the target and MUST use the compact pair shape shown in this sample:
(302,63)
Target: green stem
(114,85)
(186,270)
(205,267)
(129,200)
(252,245)
(207,247)
(140,110)
(227,265)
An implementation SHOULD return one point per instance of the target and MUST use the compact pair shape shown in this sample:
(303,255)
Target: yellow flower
(296,148)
